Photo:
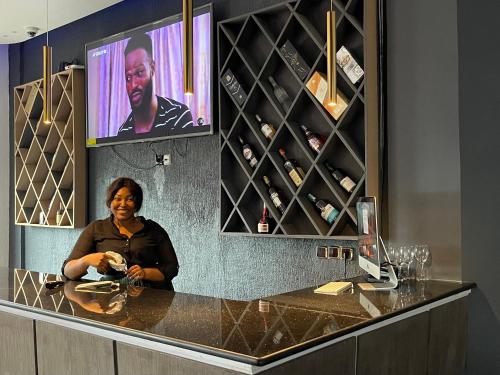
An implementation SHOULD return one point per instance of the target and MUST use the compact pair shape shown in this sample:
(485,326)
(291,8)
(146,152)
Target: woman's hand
(98,260)
(136,273)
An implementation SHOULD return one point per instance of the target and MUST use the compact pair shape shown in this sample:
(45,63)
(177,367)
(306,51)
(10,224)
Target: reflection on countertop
(259,329)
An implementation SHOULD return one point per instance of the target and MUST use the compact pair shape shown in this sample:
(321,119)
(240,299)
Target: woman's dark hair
(127,182)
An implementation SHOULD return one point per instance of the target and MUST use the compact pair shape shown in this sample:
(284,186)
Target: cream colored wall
(4,155)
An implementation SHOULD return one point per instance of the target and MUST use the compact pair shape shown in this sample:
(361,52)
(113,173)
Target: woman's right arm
(83,256)
(76,268)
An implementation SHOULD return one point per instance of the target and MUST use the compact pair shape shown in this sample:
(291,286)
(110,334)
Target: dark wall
(423,182)
(479,54)
(183,197)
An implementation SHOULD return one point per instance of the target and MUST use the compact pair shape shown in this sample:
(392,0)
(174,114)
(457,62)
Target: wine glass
(402,262)
(413,251)
(391,252)
(406,256)
(421,255)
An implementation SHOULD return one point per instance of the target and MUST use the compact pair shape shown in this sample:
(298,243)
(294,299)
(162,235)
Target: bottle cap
(241,140)
(258,118)
(266,179)
(311,197)
(271,79)
(304,128)
(282,152)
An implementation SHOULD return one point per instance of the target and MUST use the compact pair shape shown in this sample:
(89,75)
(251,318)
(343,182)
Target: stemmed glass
(404,257)
(413,251)
(394,257)
(421,255)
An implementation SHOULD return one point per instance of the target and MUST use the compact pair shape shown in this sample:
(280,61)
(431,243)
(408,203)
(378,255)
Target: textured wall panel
(184,199)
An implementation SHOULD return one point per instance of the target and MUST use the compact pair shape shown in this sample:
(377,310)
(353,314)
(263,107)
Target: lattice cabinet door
(257,51)
(50,160)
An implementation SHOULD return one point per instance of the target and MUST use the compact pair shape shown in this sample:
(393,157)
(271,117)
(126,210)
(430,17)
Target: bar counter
(133,328)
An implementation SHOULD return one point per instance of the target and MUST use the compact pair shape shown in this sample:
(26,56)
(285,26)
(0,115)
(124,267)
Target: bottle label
(315,144)
(248,155)
(263,228)
(267,130)
(301,172)
(347,184)
(276,199)
(322,90)
(296,177)
(329,213)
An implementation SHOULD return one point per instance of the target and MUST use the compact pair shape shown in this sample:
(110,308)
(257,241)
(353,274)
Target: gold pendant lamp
(331,51)
(47,75)
(187,22)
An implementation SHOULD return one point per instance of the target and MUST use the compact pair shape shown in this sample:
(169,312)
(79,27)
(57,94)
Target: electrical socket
(163,159)
(335,252)
(166,159)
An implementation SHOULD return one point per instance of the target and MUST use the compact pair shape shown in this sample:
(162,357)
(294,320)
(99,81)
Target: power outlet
(166,159)
(163,159)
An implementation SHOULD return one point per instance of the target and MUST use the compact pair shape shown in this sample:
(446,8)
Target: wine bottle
(294,171)
(344,181)
(266,128)
(313,140)
(281,95)
(248,153)
(274,195)
(327,211)
(263,226)
(59,214)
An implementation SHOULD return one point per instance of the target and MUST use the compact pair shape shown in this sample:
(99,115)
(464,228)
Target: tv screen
(134,81)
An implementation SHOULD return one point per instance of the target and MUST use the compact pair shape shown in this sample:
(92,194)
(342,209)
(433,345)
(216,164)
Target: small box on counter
(234,88)
(318,86)
(349,65)
(295,60)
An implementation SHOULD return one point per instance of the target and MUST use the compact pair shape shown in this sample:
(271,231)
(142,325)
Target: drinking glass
(421,255)
(402,259)
(413,251)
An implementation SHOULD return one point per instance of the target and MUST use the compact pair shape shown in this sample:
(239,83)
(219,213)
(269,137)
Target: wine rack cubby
(249,46)
(50,161)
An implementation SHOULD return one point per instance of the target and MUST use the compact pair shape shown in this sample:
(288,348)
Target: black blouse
(149,248)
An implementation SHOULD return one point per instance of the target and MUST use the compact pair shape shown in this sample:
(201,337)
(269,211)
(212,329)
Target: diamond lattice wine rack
(249,52)
(50,160)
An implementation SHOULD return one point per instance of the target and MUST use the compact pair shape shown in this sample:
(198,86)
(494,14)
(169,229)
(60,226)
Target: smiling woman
(143,244)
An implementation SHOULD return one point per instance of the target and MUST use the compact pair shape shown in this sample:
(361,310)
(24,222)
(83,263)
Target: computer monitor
(371,249)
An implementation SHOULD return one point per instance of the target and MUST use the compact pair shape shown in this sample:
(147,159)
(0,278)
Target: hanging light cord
(47,22)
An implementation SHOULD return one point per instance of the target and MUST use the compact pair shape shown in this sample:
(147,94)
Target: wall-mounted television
(134,83)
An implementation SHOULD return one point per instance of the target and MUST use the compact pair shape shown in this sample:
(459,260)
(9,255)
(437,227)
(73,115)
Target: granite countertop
(255,332)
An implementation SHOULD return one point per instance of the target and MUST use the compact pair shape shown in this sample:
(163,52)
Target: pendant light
(331,51)
(187,22)
(47,76)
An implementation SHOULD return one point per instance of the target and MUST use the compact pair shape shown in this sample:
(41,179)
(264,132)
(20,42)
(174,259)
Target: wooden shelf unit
(50,160)
(249,46)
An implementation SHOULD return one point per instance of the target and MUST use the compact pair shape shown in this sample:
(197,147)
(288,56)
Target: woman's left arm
(168,266)
(138,273)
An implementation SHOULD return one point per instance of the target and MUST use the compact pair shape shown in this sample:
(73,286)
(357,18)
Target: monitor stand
(392,283)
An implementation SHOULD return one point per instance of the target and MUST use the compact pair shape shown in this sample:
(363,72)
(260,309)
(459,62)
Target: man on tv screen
(151,114)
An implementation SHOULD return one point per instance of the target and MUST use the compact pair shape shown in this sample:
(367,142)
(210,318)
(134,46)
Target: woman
(143,243)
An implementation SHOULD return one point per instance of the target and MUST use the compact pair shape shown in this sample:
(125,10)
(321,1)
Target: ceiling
(22,13)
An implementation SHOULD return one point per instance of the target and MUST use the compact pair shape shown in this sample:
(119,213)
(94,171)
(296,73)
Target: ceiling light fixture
(47,76)
(331,51)
(187,23)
